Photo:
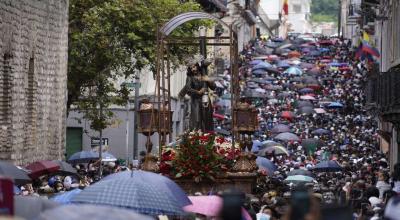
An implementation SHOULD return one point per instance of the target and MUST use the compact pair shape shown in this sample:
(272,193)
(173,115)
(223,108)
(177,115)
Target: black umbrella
(327,166)
(300,172)
(19,176)
(306,110)
(65,168)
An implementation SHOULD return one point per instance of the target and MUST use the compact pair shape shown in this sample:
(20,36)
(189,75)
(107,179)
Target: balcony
(382,91)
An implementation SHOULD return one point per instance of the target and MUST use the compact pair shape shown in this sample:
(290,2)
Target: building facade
(299,18)
(33,79)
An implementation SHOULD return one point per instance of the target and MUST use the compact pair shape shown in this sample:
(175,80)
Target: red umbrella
(41,168)
(218,116)
(287,115)
(294,54)
(325,42)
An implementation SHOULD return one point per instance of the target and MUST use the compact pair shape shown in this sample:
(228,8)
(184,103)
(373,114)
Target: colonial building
(299,18)
(33,79)
(383,22)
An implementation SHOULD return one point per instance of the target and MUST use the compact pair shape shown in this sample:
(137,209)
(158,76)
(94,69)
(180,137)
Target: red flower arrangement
(199,155)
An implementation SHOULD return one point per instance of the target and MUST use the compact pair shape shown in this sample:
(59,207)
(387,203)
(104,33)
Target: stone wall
(33,79)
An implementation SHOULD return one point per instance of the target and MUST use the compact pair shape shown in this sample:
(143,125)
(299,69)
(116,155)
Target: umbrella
(263,162)
(107,157)
(306,90)
(286,136)
(65,198)
(293,54)
(19,176)
(324,49)
(307,65)
(259,72)
(30,207)
(300,172)
(83,157)
(276,150)
(164,184)
(314,53)
(65,168)
(320,131)
(294,71)
(314,71)
(218,116)
(41,168)
(327,166)
(90,212)
(298,179)
(132,193)
(283,64)
(296,79)
(262,65)
(269,78)
(283,95)
(269,143)
(306,110)
(256,146)
(320,110)
(307,97)
(210,206)
(335,105)
(311,144)
(287,115)
(334,64)
(272,70)
(301,104)
(325,42)
(255,62)
(258,80)
(280,128)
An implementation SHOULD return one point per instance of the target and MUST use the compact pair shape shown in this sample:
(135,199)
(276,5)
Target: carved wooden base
(150,163)
(245,163)
(240,181)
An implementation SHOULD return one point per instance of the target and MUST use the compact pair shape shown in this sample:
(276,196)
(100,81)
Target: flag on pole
(285,7)
(365,36)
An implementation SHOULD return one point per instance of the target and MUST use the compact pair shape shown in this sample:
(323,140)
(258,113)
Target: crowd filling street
(317,147)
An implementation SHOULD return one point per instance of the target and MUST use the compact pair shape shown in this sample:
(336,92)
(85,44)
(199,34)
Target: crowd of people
(315,90)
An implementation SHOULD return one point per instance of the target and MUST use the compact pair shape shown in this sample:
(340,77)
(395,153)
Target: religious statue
(198,86)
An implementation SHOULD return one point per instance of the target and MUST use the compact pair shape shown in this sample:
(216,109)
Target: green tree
(114,38)
(325,10)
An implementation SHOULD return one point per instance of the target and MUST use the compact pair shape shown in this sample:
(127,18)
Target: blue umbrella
(262,65)
(306,90)
(133,193)
(335,105)
(166,185)
(314,53)
(256,146)
(255,62)
(259,72)
(320,131)
(263,162)
(108,157)
(83,156)
(65,198)
(294,71)
(323,49)
(283,64)
(334,64)
(327,166)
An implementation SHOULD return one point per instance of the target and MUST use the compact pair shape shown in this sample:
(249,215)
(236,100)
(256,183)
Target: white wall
(300,20)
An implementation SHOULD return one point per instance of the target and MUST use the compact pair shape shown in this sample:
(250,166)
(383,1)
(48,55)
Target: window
(297,8)
(5,95)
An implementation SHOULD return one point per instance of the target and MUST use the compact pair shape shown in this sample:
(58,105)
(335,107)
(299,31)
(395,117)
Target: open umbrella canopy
(301,104)
(65,197)
(306,65)
(311,144)
(19,176)
(164,184)
(327,166)
(269,143)
(306,110)
(41,168)
(320,110)
(283,64)
(306,90)
(264,163)
(335,105)
(300,172)
(280,128)
(293,54)
(259,72)
(255,62)
(294,71)
(65,168)
(314,71)
(320,131)
(286,136)
(287,115)
(298,179)
(296,79)
(307,97)
(83,157)
(209,206)
(132,193)
(90,212)
(275,150)
(262,65)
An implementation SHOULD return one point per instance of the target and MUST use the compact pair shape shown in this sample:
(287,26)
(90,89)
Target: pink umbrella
(319,110)
(209,206)
(307,97)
